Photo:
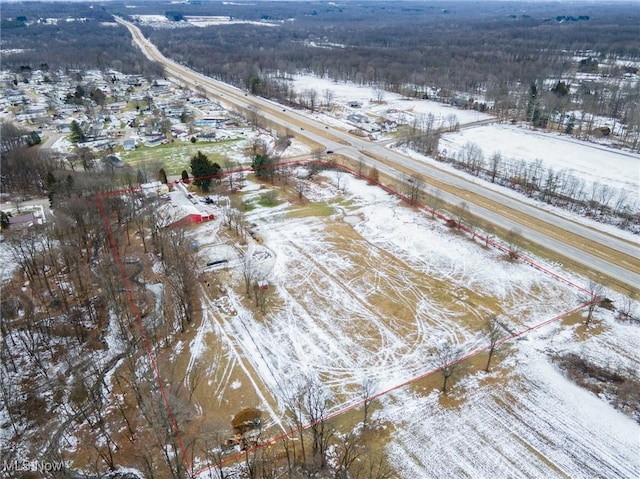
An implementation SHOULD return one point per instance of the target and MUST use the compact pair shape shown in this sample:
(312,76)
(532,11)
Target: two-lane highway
(606,254)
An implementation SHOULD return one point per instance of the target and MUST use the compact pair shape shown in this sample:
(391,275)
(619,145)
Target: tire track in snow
(233,350)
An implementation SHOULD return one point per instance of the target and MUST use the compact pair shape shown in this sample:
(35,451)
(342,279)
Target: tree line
(457,54)
(560,188)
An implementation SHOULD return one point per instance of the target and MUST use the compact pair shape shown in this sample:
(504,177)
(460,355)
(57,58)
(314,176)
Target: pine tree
(203,170)
(261,165)
(77,135)
(532,104)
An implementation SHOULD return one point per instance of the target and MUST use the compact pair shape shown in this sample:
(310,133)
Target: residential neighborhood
(115,112)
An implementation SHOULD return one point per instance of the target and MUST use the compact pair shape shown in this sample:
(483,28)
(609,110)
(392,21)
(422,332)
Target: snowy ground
(593,163)
(161,21)
(9,266)
(369,290)
(393,105)
(533,423)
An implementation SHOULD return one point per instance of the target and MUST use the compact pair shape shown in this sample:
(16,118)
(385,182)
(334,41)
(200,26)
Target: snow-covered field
(593,163)
(370,290)
(161,21)
(606,173)
(530,423)
(392,106)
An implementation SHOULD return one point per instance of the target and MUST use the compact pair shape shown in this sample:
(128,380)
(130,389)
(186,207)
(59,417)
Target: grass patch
(269,199)
(176,156)
(248,206)
(310,209)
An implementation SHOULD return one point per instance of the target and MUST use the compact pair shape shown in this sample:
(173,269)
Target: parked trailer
(217,262)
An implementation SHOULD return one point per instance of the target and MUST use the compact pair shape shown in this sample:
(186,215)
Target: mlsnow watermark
(31,466)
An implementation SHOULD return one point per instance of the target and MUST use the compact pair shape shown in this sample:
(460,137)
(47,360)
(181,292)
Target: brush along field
(363,288)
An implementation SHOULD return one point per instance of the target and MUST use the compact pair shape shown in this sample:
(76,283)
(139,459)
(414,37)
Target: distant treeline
(81,38)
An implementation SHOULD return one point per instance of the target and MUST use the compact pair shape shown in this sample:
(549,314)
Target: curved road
(605,254)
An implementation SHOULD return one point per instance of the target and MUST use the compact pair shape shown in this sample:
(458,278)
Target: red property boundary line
(138,316)
(152,358)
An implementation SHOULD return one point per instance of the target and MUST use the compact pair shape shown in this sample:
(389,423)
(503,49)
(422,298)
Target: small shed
(20,221)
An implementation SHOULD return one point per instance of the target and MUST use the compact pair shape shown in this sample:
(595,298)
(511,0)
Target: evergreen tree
(561,89)
(260,164)
(203,169)
(532,104)
(78,95)
(51,180)
(33,139)
(98,96)
(77,134)
(69,184)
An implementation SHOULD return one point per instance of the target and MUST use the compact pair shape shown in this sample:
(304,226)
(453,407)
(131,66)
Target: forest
(68,36)
(491,56)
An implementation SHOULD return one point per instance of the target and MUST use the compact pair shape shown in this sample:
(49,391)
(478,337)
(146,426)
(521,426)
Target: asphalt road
(494,209)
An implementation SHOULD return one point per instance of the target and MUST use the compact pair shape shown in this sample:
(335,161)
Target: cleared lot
(369,288)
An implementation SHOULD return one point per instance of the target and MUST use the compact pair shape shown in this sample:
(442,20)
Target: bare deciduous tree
(593,296)
(461,213)
(316,402)
(179,260)
(415,187)
(626,311)
(328,95)
(300,186)
(340,180)
(494,165)
(448,358)
(493,330)
(374,175)
(347,452)
(366,392)
(434,200)
(514,242)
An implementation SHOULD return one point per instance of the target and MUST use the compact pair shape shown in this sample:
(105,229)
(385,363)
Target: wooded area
(68,36)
